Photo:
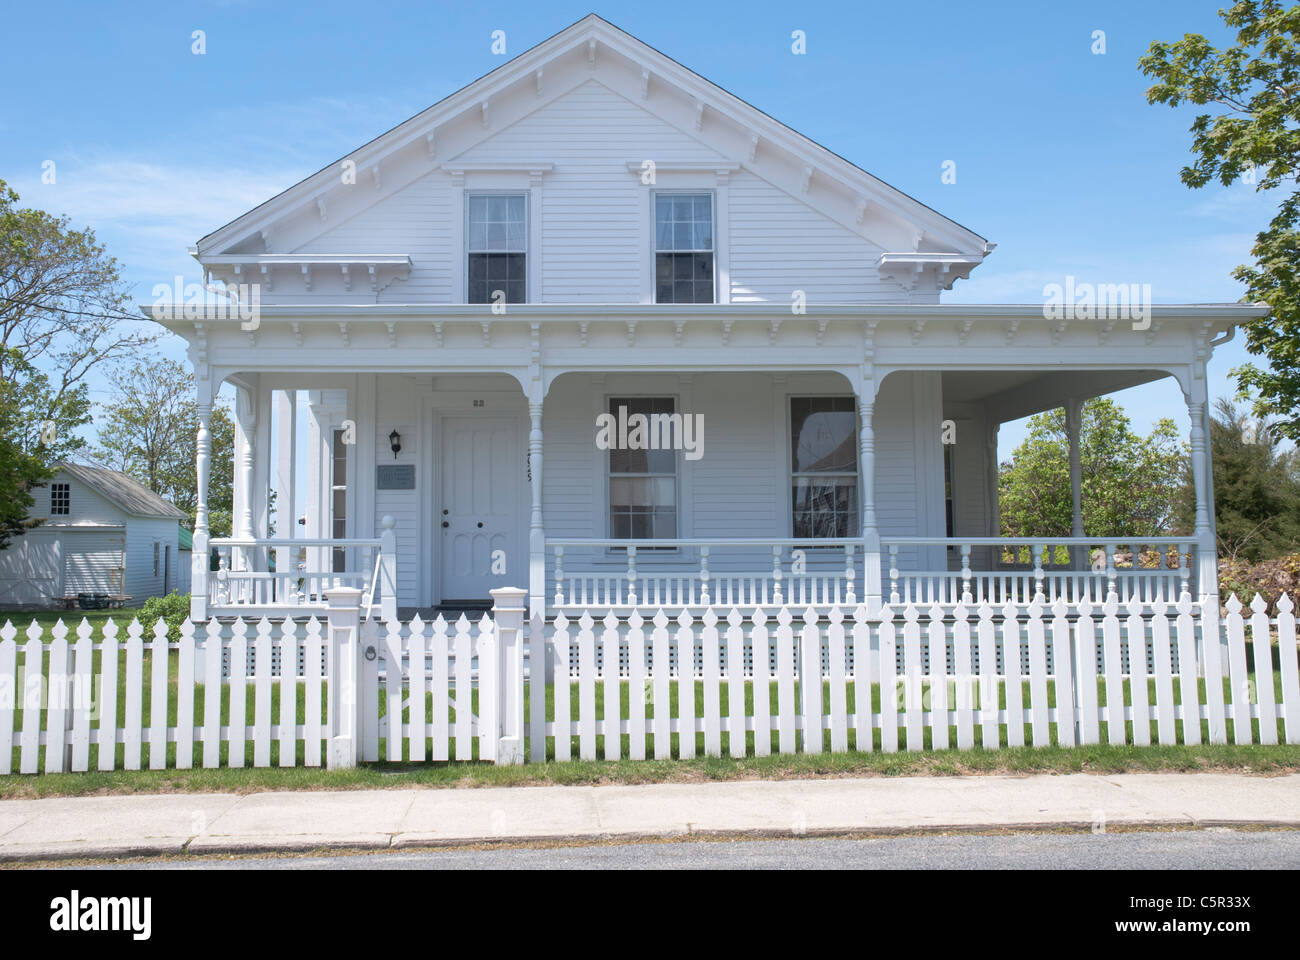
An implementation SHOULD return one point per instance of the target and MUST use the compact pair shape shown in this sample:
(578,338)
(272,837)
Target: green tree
(149,431)
(62,315)
(1256,488)
(1130,483)
(1253,88)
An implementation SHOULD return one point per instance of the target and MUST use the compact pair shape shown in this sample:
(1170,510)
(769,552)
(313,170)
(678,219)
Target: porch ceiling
(1012,394)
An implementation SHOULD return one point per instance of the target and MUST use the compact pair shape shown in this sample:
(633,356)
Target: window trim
(678,488)
(712,194)
(526,194)
(790,472)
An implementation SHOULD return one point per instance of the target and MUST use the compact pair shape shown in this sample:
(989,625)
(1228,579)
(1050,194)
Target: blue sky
(1059,159)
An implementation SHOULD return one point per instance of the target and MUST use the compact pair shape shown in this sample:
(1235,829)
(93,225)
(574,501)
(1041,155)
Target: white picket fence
(338,690)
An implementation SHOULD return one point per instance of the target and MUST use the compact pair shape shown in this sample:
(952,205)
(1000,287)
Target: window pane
(496,207)
(823,435)
(825,507)
(478,209)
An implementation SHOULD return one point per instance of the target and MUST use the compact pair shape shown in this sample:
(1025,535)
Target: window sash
(60,499)
(654,514)
(824,488)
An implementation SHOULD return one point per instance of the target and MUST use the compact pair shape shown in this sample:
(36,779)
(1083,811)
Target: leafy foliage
(173,609)
(1254,86)
(1129,482)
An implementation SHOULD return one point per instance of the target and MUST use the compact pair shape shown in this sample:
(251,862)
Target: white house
(593,229)
(102,532)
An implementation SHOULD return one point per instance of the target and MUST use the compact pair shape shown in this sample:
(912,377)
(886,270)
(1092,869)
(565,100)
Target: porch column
(1206,553)
(245,425)
(1073,427)
(286,486)
(536,530)
(202,467)
(867,469)
(991,467)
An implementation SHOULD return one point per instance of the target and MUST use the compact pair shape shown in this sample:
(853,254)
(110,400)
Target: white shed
(102,532)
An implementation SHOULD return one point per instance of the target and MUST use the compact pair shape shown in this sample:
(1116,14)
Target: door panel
(479,505)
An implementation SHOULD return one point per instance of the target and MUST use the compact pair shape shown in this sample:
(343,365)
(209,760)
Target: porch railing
(245,584)
(1015,569)
(677,574)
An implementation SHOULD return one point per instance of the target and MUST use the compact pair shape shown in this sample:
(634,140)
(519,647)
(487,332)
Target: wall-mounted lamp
(395,441)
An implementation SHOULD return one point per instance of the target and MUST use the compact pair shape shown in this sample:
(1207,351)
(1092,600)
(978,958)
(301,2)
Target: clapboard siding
(398,409)
(141,535)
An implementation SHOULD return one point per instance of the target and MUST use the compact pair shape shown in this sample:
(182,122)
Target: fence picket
(760,651)
(888,682)
(416,697)
(937,642)
(262,694)
(685,686)
(1240,682)
(184,698)
(1286,648)
(964,673)
(1114,671)
(636,686)
(1014,689)
(1161,656)
(990,738)
(1212,653)
(736,746)
(839,693)
(30,739)
(134,719)
(8,694)
(464,686)
(563,691)
(213,689)
(611,687)
(810,683)
(785,708)
(288,751)
(710,644)
(1064,669)
(159,653)
(663,740)
(1139,691)
(1085,648)
(393,690)
(440,686)
(82,700)
(1188,690)
(1262,648)
(913,678)
(487,644)
(1035,634)
(56,716)
(586,688)
(537,659)
(237,739)
(313,649)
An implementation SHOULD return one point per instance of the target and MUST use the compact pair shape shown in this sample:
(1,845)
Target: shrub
(173,609)
(1269,578)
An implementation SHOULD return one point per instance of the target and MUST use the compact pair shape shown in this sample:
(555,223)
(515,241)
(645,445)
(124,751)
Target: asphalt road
(1220,849)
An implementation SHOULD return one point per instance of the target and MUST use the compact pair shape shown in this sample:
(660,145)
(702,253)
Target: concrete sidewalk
(199,823)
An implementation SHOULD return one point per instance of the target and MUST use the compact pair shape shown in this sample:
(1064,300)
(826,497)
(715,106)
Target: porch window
(60,499)
(497,247)
(642,483)
(683,247)
(339,499)
(824,467)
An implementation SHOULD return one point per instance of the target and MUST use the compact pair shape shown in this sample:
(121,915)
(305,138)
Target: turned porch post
(245,427)
(1073,427)
(202,467)
(1206,554)
(867,470)
(536,530)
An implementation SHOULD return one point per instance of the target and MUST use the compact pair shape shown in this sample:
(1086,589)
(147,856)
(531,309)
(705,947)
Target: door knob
(480,523)
(446,524)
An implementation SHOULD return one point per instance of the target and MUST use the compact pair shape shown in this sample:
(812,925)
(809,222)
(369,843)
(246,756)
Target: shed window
(60,499)
(156,556)
(497,248)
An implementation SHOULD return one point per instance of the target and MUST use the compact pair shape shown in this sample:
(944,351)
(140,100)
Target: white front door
(479,510)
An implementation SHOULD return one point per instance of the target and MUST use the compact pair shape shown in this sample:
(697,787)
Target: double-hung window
(684,250)
(497,248)
(60,499)
(824,467)
(642,482)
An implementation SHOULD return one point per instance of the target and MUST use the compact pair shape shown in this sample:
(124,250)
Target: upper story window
(824,463)
(497,247)
(60,499)
(684,247)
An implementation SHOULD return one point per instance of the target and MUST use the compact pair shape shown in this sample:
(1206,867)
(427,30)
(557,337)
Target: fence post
(388,571)
(343,716)
(508,611)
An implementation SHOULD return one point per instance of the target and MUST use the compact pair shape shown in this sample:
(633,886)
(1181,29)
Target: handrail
(1033,541)
(374,583)
(306,542)
(705,542)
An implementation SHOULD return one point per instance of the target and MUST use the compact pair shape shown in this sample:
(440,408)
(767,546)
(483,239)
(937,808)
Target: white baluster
(965,573)
(893,573)
(631,576)
(850,595)
(559,576)
(704,576)
(1039,550)
(777,597)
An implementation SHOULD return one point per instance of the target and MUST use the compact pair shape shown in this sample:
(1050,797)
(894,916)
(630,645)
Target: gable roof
(126,492)
(859,188)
